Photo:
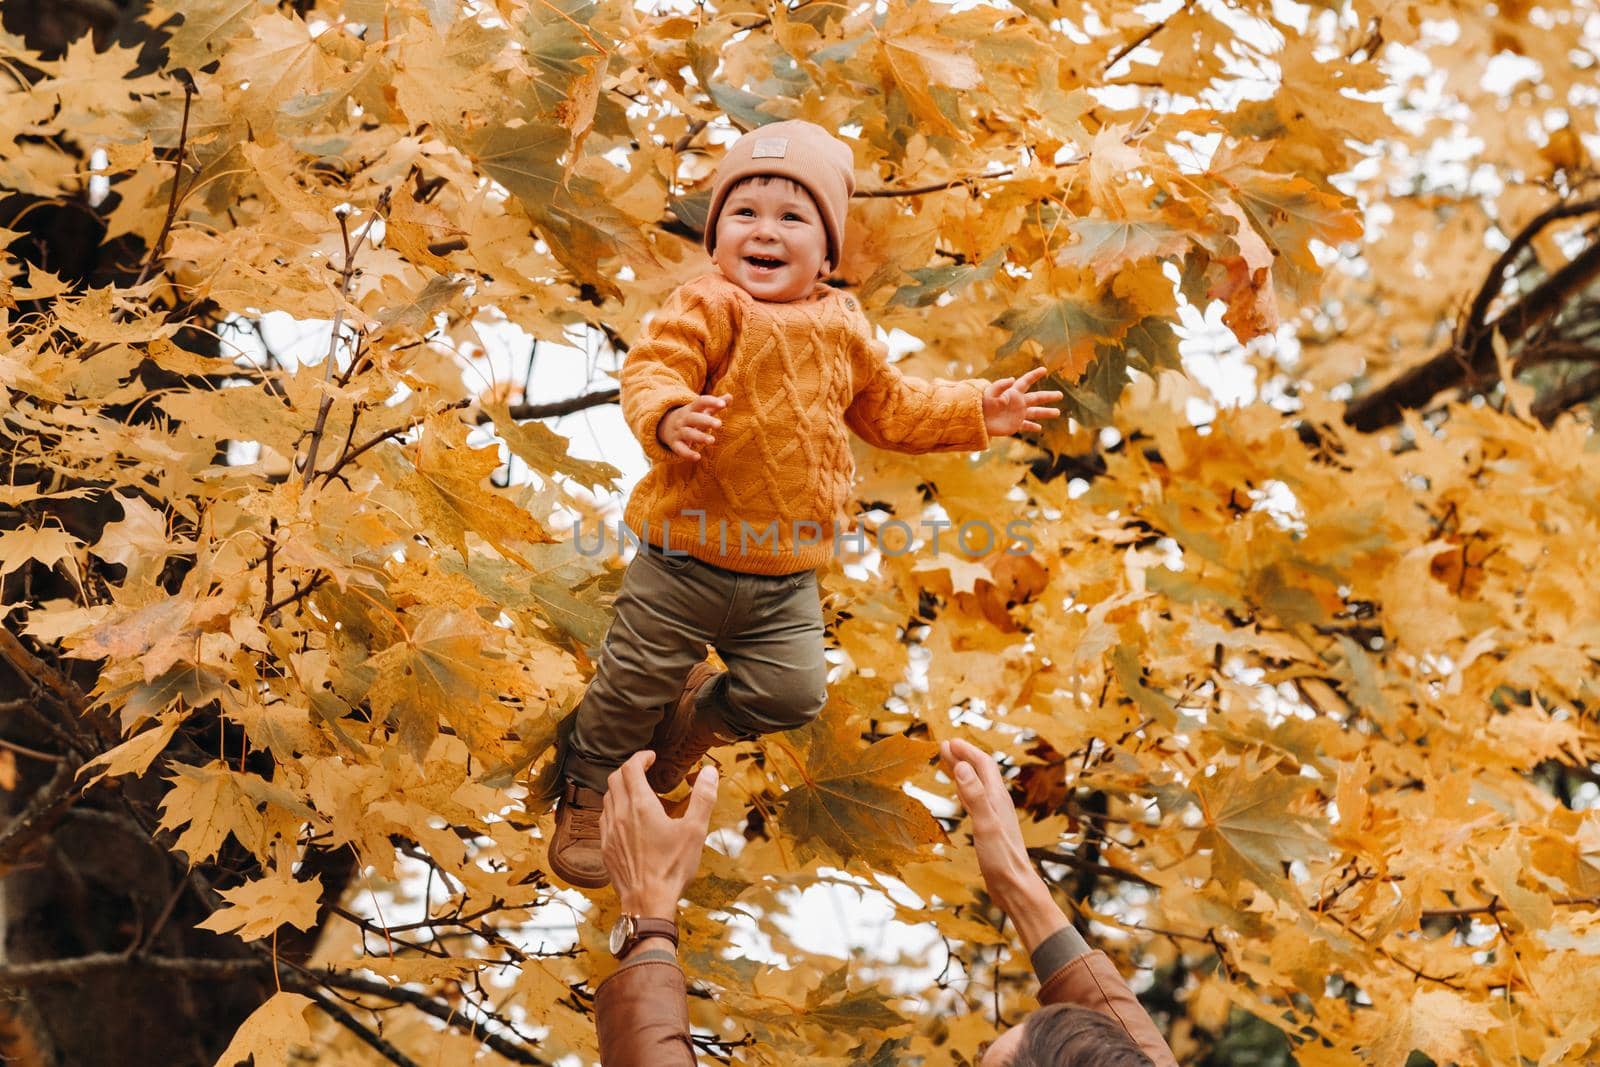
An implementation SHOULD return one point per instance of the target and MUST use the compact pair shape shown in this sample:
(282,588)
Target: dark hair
(768,179)
(1063,1035)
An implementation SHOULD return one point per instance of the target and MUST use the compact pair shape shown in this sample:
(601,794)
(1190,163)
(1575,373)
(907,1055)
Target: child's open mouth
(763,263)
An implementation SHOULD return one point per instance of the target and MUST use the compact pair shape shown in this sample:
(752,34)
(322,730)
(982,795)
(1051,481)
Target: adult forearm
(1026,900)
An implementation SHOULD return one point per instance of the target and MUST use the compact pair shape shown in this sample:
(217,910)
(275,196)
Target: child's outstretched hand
(684,429)
(1009,407)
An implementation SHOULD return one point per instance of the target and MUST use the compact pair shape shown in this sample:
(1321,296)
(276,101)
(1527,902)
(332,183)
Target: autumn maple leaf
(850,803)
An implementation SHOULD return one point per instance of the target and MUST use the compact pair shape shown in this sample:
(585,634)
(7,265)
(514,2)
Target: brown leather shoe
(575,846)
(682,737)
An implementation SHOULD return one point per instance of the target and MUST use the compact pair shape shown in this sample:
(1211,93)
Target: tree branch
(299,592)
(51,972)
(1122,53)
(1495,906)
(445,1013)
(365,1034)
(1473,358)
(1077,863)
(41,813)
(303,980)
(524,412)
(1496,276)
(1583,388)
(56,685)
(347,274)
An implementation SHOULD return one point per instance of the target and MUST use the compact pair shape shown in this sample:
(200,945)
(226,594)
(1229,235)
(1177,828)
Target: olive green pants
(766,627)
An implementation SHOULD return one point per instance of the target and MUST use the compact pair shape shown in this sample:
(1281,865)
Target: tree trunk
(93,879)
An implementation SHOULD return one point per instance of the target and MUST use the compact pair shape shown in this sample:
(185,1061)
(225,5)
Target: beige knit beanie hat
(801,151)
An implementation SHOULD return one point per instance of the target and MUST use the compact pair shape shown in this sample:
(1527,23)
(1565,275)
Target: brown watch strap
(643,928)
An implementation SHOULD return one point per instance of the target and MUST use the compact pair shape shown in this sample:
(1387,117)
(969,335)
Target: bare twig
(445,1013)
(172,201)
(41,813)
(933,187)
(300,591)
(272,547)
(1122,53)
(31,753)
(1496,905)
(350,454)
(1583,388)
(347,275)
(366,1035)
(550,409)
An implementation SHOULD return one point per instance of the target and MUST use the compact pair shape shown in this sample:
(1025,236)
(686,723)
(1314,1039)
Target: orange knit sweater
(775,484)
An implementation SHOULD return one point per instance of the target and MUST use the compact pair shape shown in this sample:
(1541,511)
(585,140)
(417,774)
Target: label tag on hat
(771,148)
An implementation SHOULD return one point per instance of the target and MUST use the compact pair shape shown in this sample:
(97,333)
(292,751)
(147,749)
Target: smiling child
(742,393)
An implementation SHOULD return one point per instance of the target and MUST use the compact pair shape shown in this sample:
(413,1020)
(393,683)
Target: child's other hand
(689,427)
(1009,407)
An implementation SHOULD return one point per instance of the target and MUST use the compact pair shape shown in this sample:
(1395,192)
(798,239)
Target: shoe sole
(575,880)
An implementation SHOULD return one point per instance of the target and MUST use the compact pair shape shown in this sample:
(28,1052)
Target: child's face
(770,240)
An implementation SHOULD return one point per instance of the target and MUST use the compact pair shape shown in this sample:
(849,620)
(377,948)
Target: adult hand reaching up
(1008,873)
(652,857)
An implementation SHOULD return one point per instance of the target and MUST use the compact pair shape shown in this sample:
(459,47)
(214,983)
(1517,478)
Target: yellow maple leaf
(269,1033)
(257,908)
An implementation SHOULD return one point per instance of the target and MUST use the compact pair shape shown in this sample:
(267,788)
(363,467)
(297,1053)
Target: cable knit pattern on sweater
(774,487)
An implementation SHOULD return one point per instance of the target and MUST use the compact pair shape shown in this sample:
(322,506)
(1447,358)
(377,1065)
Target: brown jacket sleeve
(641,1013)
(1092,981)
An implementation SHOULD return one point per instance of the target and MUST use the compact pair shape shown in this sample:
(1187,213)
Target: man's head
(1061,1035)
(819,175)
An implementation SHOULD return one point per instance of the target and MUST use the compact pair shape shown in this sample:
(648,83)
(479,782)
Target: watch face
(621,931)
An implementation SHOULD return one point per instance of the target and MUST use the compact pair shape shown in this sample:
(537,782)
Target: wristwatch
(629,930)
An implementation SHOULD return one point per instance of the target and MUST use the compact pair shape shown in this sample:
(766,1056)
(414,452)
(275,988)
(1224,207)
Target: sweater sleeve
(900,413)
(641,1015)
(669,367)
(1091,981)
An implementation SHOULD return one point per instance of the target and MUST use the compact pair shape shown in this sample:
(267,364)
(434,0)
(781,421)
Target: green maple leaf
(1067,330)
(934,282)
(831,1006)
(565,587)
(1251,829)
(1289,213)
(834,1005)
(1107,245)
(526,159)
(556,48)
(441,672)
(850,804)
(1149,346)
